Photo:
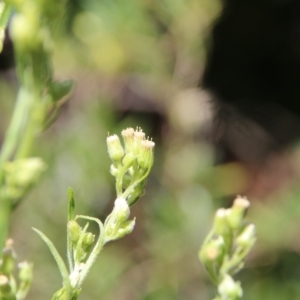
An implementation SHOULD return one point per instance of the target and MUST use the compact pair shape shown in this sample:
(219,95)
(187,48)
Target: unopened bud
(145,158)
(23,30)
(138,192)
(24,172)
(236,213)
(88,239)
(115,149)
(125,228)
(5,287)
(139,136)
(74,231)
(247,237)
(213,251)
(121,210)
(221,226)
(113,170)
(229,289)
(25,271)
(118,221)
(8,260)
(129,140)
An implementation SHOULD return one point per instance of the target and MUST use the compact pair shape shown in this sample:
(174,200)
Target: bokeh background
(139,63)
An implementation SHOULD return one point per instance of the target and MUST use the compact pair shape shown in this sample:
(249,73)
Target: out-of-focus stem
(9,146)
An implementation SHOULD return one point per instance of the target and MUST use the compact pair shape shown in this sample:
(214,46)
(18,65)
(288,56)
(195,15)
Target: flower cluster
(10,286)
(131,166)
(131,163)
(226,246)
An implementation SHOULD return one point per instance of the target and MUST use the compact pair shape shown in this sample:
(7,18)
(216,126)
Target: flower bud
(129,140)
(115,149)
(139,136)
(213,251)
(125,228)
(74,231)
(145,158)
(5,288)
(116,220)
(247,237)
(24,30)
(24,172)
(88,239)
(8,260)
(138,192)
(25,271)
(229,289)
(113,170)
(236,213)
(221,226)
(121,210)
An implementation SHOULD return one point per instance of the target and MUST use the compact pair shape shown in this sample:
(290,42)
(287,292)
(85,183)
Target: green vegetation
(146,56)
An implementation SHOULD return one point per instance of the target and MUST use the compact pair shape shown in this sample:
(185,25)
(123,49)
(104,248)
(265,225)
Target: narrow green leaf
(59,261)
(71,207)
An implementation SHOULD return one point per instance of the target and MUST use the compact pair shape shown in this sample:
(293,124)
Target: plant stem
(11,139)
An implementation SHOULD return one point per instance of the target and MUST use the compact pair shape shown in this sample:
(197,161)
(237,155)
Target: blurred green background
(138,63)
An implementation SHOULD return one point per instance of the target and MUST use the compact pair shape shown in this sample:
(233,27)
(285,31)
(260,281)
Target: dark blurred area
(139,63)
(253,71)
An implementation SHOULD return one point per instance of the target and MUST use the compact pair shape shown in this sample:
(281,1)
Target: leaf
(59,261)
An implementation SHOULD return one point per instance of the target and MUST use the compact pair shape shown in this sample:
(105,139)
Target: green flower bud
(236,213)
(139,136)
(247,237)
(221,226)
(60,294)
(129,140)
(115,149)
(24,172)
(88,239)
(113,170)
(116,219)
(213,251)
(121,210)
(229,289)
(25,271)
(8,260)
(138,192)
(24,30)
(125,228)
(5,288)
(74,231)
(145,158)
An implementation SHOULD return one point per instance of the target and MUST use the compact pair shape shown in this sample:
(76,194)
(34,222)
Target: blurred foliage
(138,63)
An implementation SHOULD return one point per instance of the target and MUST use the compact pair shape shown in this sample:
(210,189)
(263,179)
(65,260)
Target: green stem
(133,186)
(71,216)
(5,207)
(11,139)
(119,179)
(28,137)
(15,128)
